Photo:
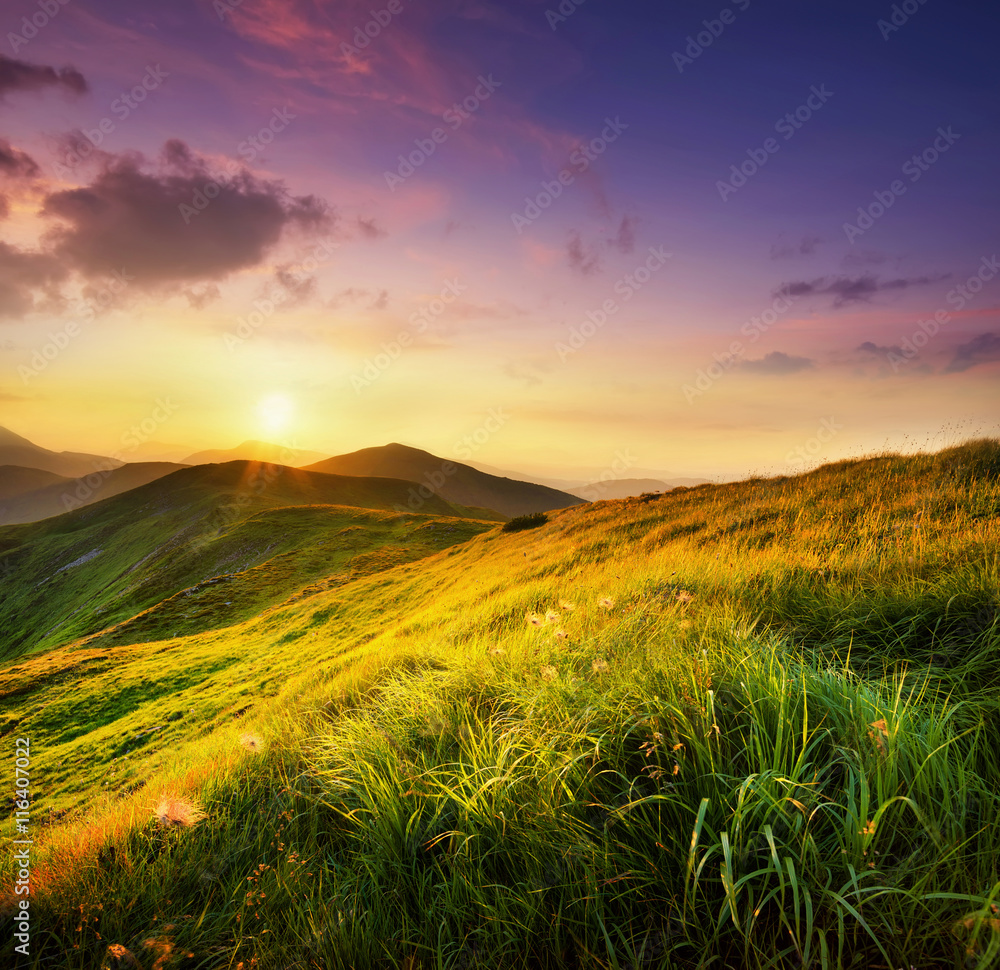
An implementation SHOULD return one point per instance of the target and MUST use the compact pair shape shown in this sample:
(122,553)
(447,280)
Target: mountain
(160,451)
(583,477)
(619,488)
(15,450)
(256,451)
(451,480)
(65,494)
(16,481)
(155,561)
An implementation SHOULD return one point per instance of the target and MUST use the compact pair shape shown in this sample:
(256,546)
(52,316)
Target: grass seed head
(252,742)
(174,812)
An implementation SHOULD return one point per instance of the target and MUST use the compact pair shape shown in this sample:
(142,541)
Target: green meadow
(746,725)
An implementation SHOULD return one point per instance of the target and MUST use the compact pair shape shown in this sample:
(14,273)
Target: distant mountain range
(451,480)
(256,451)
(591,486)
(36,483)
(18,451)
(55,494)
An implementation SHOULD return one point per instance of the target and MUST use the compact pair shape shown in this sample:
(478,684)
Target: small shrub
(521,522)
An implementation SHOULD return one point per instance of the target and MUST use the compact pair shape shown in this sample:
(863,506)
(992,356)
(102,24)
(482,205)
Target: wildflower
(880,731)
(551,616)
(561,634)
(607,602)
(123,955)
(534,619)
(684,597)
(172,811)
(868,830)
(252,743)
(599,666)
(566,605)
(548,673)
(496,651)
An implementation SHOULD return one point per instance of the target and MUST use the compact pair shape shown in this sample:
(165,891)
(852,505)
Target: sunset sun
(275,413)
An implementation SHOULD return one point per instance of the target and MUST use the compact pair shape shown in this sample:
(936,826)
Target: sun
(275,412)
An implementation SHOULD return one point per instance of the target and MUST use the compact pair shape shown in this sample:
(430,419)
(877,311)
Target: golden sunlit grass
(766,740)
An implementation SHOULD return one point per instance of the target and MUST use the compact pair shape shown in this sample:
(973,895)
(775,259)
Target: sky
(567,234)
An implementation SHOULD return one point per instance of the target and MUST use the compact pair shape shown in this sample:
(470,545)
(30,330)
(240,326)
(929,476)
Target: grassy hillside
(451,480)
(209,540)
(743,725)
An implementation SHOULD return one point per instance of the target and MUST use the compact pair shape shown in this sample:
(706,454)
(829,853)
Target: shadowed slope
(449,479)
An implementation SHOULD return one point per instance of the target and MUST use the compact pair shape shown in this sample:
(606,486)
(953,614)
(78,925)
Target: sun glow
(275,412)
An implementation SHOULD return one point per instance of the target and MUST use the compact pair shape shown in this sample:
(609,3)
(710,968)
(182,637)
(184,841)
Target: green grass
(204,547)
(750,725)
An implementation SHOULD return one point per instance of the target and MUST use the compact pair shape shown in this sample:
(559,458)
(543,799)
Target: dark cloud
(983,349)
(24,276)
(176,224)
(871,348)
(294,287)
(776,363)
(806,246)
(369,228)
(584,260)
(16,164)
(22,76)
(624,238)
(372,299)
(846,290)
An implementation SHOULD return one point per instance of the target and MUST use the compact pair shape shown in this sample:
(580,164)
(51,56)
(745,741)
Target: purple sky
(714,238)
